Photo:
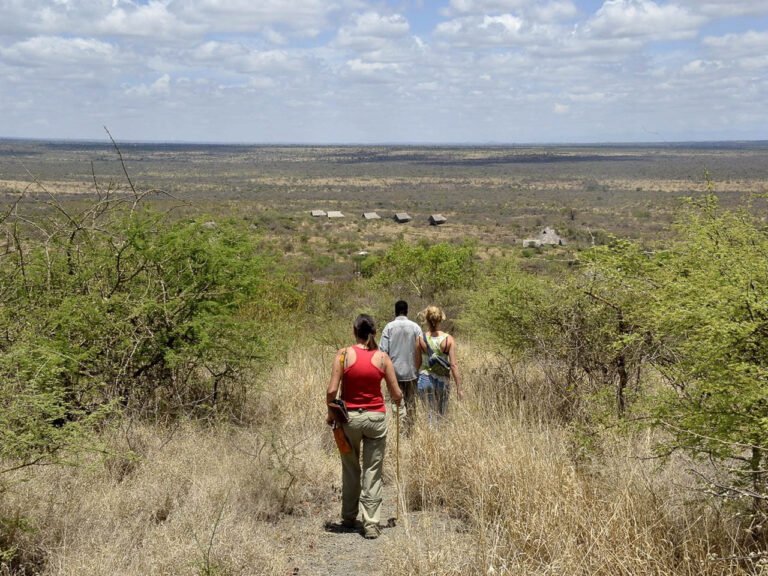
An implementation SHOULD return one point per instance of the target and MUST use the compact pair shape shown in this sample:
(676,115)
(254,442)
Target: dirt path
(340,553)
(320,552)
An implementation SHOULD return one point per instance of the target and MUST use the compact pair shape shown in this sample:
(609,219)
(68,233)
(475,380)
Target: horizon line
(488,144)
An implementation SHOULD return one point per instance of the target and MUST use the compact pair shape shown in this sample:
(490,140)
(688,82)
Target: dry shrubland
(509,483)
(530,500)
(495,488)
(193,499)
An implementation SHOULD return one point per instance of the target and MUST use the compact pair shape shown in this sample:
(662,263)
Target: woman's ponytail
(365,329)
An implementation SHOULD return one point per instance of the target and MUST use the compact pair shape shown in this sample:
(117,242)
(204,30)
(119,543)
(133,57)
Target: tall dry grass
(529,502)
(199,499)
(496,488)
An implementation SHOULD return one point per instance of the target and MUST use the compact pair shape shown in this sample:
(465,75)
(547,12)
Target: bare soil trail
(324,551)
(340,552)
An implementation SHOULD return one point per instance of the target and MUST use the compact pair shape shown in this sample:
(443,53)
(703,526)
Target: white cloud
(150,20)
(372,31)
(269,61)
(699,67)
(748,50)
(506,24)
(341,70)
(588,97)
(735,45)
(273,36)
(305,17)
(160,87)
(170,19)
(727,8)
(374,37)
(243,59)
(51,51)
(644,18)
(485,6)
(533,10)
(554,11)
(477,31)
(377,72)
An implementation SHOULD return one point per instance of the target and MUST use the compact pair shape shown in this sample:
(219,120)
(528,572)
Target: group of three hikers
(415,364)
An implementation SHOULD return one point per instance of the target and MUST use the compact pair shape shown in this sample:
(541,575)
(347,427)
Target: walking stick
(392,522)
(397,459)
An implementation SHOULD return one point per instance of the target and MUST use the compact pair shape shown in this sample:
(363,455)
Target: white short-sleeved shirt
(398,339)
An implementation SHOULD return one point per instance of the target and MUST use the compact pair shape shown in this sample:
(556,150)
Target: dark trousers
(410,393)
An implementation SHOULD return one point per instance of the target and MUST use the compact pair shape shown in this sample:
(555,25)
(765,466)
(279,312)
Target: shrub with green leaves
(581,328)
(117,307)
(422,269)
(710,314)
(695,311)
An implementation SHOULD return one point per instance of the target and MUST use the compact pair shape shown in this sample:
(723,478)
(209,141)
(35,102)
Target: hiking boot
(372,532)
(342,527)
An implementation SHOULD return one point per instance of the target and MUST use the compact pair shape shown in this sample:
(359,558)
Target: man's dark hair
(401,308)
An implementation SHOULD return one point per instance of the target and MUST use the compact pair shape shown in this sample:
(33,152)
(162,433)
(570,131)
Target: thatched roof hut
(437,219)
(402,217)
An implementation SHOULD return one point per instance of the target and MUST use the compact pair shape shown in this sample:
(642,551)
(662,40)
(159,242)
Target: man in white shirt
(398,340)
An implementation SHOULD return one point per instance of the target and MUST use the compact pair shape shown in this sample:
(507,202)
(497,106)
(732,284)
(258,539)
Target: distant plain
(494,194)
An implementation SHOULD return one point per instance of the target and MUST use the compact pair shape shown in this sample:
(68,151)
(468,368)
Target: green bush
(581,327)
(696,312)
(119,308)
(422,269)
(710,314)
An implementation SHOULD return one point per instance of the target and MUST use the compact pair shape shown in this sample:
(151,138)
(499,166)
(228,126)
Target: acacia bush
(117,307)
(693,314)
(424,270)
(579,328)
(710,315)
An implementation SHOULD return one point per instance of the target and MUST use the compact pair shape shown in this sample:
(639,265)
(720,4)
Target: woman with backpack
(436,357)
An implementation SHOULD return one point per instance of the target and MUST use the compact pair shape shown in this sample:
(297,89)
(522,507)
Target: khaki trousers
(361,487)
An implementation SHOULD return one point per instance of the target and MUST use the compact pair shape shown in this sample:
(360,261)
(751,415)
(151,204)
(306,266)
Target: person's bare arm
(391,379)
(455,366)
(384,341)
(417,353)
(333,385)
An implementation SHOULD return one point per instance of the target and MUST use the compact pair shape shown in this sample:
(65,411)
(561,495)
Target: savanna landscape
(170,313)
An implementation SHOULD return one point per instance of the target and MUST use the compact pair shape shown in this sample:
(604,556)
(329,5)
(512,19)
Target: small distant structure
(335,214)
(371,216)
(318,213)
(437,219)
(547,237)
(211,225)
(402,217)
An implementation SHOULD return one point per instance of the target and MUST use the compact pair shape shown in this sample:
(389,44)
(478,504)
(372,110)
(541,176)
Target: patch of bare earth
(325,551)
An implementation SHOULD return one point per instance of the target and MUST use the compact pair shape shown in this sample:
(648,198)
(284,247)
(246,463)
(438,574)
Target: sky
(386,71)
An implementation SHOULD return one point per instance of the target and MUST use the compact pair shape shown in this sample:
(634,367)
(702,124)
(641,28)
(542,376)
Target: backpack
(438,364)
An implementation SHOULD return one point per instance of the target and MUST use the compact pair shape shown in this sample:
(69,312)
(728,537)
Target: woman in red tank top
(364,366)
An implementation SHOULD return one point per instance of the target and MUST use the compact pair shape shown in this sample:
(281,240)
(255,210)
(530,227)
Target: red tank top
(362,383)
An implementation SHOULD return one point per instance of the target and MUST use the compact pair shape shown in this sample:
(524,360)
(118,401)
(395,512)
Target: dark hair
(401,308)
(365,329)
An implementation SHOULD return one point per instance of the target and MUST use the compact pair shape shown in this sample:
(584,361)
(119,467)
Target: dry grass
(197,500)
(494,489)
(529,505)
